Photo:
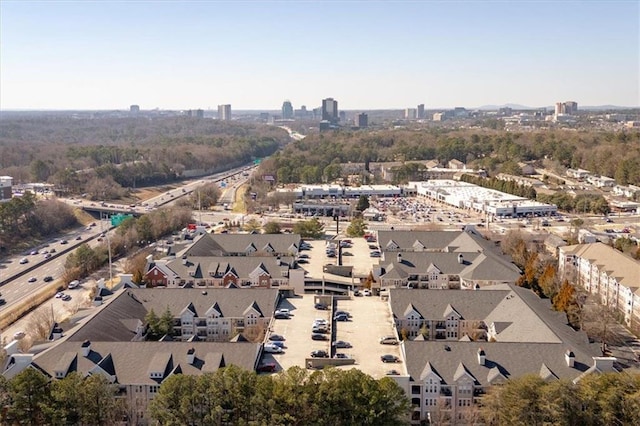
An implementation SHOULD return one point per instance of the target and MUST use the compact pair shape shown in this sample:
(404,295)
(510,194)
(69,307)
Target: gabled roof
(216,267)
(429,370)
(462,371)
(254,306)
(546,373)
(134,361)
(449,310)
(411,308)
(230,244)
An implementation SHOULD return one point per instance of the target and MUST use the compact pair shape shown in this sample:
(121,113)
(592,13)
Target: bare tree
(40,323)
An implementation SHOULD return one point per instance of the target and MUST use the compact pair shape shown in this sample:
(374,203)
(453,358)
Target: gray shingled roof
(113,321)
(199,267)
(510,359)
(226,244)
(131,363)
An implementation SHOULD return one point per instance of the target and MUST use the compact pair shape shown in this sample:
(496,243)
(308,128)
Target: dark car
(281,316)
(2,302)
(48,278)
(64,242)
(266,368)
(66,297)
(393,373)
(277,338)
(341,317)
(342,313)
(318,336)
(389,358)
(319,354)
(302,261)
(321,306)
(79,237)
(341,344)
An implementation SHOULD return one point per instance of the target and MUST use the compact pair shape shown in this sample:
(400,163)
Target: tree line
(228,396)
(317,158)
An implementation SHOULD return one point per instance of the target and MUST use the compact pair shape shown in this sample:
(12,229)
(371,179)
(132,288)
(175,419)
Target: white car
(283,311)
(366,292)
(272,349)
(59,295)
(74,284)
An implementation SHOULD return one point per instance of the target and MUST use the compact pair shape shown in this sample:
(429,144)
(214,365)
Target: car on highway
(32,280)
(341,344)
(389,358)
(64,242)
(34,252)
(47,255)
(319,354)
(47,279)
(79,237)
(24,260)
(2,302)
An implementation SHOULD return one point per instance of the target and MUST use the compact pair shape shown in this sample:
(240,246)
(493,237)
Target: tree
(356,228)
(272,228)
(363,203)
(99,403)
(153,323)
(309,228)
(165,323)
(29,393)
(252,225)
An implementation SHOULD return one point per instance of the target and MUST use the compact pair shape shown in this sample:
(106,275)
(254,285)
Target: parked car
(393,373)
(319,329)
(277,338)
(281,316)
(341,356)
(66,298)
(366,292)
(319,354)
(389,358)
(320,321)
(388,340)
(272,349)
(357,293)
(318,336)
(73,284)
(278,343)
(341,344)
(47,279)
(59,295)
(341,317)
(339,312)
(266,368)
(321,306)
(303,256)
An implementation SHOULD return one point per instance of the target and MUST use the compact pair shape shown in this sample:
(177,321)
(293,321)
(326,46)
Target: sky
(100,55)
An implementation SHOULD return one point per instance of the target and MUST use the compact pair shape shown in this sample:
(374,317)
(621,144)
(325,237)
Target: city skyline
(373,55)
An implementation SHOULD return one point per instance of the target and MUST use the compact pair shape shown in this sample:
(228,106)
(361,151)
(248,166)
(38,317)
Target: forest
(315,158)
(77,154)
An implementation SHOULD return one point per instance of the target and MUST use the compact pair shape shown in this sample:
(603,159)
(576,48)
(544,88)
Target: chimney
(604,363)
(460,259)
(481,356)
(191,356)
(86,348)
(570,358)
(399,257)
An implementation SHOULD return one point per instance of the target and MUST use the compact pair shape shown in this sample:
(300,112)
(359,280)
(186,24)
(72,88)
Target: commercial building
(330,110)
(6,184)
(410,114)
(224,112)
(421,114)
(362,120)
(134,109)
(287,110)
(606,272)
(473,197)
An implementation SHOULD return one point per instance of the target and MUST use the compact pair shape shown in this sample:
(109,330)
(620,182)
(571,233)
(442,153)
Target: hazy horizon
(107,55)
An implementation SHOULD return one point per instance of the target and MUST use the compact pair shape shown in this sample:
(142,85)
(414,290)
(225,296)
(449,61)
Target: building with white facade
(6,183)
(473,197)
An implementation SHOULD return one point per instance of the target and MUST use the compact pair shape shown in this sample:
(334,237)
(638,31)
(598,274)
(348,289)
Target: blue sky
(365,54)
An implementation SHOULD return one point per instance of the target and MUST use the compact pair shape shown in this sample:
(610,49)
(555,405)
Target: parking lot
(370,320)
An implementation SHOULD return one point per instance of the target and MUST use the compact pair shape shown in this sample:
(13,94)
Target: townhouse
(604,271)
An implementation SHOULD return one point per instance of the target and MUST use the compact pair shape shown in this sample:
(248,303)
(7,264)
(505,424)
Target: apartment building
(458,344)
(604,271)
(441,260)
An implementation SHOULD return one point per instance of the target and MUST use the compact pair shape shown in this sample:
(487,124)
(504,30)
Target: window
(415,389)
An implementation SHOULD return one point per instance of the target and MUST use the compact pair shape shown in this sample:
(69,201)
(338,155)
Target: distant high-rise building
(224,112)
(199,113)
(421,112)
(287,110)
(566,108)
(302,112)
(410,114)
(330,110)
(343,116)
(362,120)
(134,109)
